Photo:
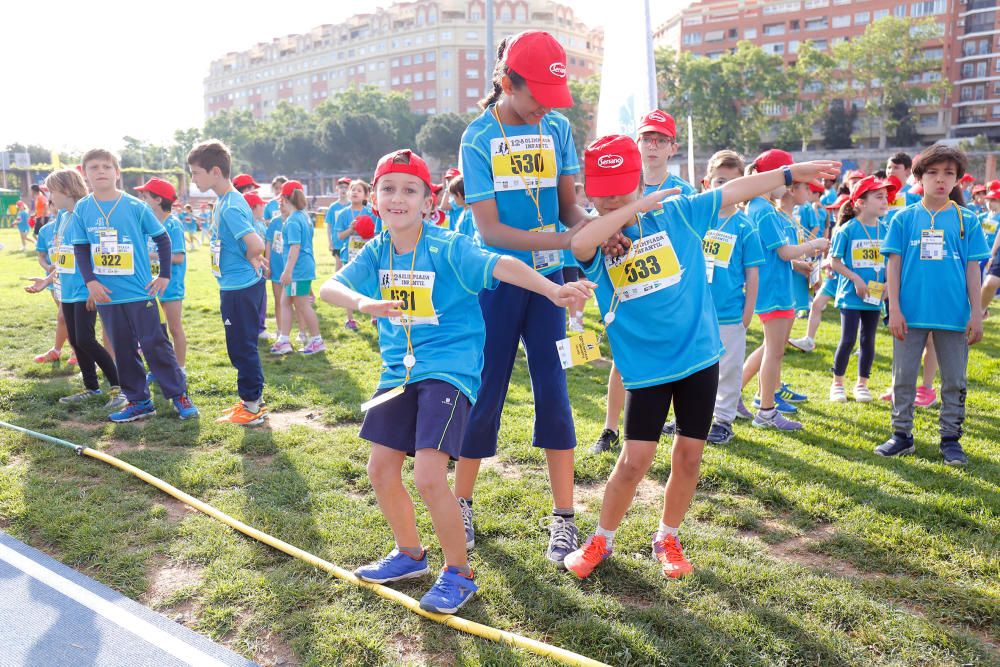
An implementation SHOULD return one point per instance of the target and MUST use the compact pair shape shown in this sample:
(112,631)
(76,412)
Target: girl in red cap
(518,160)
(660,319)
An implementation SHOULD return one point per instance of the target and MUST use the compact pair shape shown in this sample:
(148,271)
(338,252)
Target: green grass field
(809,550)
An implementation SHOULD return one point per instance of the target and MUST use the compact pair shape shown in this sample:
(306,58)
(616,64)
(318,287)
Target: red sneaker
(926,397)
(49,357)
(583,561)
(670,553)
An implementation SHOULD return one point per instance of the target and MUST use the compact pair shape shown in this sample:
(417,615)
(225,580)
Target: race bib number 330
(417,297)
(523,163)
(651,266)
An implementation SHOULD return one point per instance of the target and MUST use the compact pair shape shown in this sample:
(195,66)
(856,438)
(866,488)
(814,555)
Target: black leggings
(90,354)
(849,321)
(694,402)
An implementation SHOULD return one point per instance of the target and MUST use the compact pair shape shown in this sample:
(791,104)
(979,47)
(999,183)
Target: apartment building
(969,49)
(435,50)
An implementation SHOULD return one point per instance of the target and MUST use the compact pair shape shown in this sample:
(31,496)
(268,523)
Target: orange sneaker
(238,414)
(49,357)
(583,561)
(670,553)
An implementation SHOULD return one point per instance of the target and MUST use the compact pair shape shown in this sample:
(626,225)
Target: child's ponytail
(499,72)
(846,213)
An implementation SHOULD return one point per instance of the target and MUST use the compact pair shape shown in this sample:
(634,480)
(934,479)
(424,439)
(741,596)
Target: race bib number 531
(417,297)
(525,162)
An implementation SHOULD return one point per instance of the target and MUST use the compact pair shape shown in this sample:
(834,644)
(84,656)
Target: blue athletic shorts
(430,414)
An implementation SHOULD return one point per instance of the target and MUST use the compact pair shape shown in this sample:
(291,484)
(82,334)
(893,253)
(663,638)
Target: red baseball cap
(917,189)
(289,187)
(993,193)
(541,61)
(967,178)
(868,184)
(658,121)
(611,166)
(436,187)
(158,187)
(19,203)
(343,180)
(835,206)
(452,173)
(253,199)
(773,159)
(416,167)
(854,173)
(993,185)
(243,180)
(979,187)
(817,187)
(895,185)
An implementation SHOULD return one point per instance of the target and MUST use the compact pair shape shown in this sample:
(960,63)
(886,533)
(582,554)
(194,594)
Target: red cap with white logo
(612,166)
(658,121)
(541,61)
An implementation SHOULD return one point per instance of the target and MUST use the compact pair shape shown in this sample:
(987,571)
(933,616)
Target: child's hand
(37,285)
(157,286)
(573,294)
(974,329)
(654,200)
(617,245)
(819,245)
(861,287)
(804,172)
(897,324)
(98,292)
(377,308)
(286,278)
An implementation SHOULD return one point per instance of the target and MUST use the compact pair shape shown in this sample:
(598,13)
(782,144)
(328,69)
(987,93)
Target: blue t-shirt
(494,170)
(22,221)
(45,242)
(121,263)
(466,225)
(448,332)
(175,288)
(858,246)
(828,197)
(734,245)
(271,209)
(990,223)
(275,236)
(71,285)
(232,220)
(351,246)
(775,290)
(933,292)
(331,224)
(671,182)
(299,231)
(665,327)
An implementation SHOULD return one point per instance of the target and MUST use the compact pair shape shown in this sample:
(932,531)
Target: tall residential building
(969,49)
(435,49)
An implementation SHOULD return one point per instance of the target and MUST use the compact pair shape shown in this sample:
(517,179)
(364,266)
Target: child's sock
(767,414)
(252,406)
(282,338)
(567,513)
(608,535)
(416,553)
(665,531)
(463,570)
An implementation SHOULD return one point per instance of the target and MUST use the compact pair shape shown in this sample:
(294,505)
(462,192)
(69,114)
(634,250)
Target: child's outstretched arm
(747,187)
(516,272)
(585,241)
(338,294)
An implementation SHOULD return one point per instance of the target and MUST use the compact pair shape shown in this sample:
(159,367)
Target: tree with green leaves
(887,65)
(441,136)
(810,93)
(582,114)
(838,125)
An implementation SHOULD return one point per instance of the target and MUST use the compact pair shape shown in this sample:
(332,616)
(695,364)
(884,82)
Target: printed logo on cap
(657,116)
(559,69)
(610,161)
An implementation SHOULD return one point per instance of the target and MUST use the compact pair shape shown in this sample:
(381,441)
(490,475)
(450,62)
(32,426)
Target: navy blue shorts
(430,414)
(515,315)
(994,267)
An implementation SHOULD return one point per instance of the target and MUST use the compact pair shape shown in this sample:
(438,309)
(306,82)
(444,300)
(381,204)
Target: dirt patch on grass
(116,447)
(280,421)
(166,578)
(411,652)
(797,549)
(176,510)
(274,652)
(504,469)
(649,492)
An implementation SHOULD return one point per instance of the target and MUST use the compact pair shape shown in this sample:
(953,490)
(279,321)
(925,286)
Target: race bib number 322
(524,162)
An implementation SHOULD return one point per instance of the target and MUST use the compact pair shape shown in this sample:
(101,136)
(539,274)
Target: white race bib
(866,254)
(932,244)
(650,266)
(215,248)
(417,298)
(543,259)
(719,246)
(278,243)
(118,263)
(523,163)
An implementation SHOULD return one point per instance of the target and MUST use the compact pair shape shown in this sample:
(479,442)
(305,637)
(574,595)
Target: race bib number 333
(523,163)
(417,298)
(651,266)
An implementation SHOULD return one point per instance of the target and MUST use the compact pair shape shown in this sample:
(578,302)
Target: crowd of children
(456,276)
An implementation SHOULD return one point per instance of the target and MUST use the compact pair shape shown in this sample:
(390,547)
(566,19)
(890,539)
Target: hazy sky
(79,74)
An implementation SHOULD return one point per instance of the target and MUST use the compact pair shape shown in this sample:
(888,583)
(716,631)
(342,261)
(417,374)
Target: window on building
(520,14)
(471,74)
(472,92)
(842,21)
(430,57)
(929,8)
(820,23)
(793,25)
(715,35)
(475,14)
(900,11)
(446,92)
(431,75)
(782,7)
(407,78)
(692,38)
(472,34)
(861,18)
(879,13)
(505,14)
(772,29)
(407,60)
(793,46)
(418,77)
(750,33)
(395,62)
(776,48)
(472,55)
(814,4)
(418,59)
(431,94)
(418,95)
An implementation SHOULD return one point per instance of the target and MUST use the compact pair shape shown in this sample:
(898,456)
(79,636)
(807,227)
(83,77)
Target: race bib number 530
(525,162)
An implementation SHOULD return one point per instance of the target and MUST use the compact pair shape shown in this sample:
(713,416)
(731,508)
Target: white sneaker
(806,344)
(302,338)
(576,325)
(265,335)
(862,394)
(838,394)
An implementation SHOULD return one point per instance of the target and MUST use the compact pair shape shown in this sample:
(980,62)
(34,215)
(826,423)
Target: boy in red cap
(659,317)
(237,264)
(335,208)
(257,207)
(160,196)
(244,183)
(518,160)
(422,283)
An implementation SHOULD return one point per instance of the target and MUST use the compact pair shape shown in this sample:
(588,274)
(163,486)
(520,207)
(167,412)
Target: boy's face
(59,200)
(149,199)
(341,190)
(939,179)
(101,174)
(205,179)
(356,193)
(656,149)
(978,197)
(897,170)
(605,205)
(402,201)
(720,176)
(799,192)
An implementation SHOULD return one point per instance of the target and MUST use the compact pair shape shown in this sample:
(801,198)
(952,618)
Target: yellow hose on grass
(471,627)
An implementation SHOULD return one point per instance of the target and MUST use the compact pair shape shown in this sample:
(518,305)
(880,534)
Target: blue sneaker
(897,445)
(742,412)
(783,406)
(451,590)
(394,567)
(184,407)
(786,393)
(953,453)
(133,411)
(150,379)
